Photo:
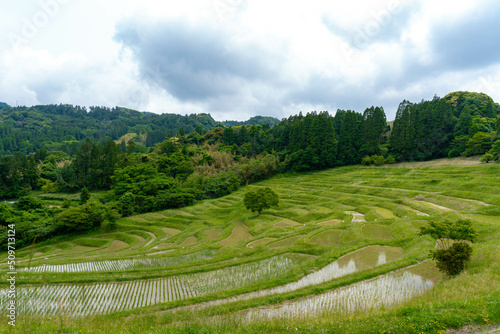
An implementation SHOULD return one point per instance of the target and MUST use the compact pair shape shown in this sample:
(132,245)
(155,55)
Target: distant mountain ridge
(27,129)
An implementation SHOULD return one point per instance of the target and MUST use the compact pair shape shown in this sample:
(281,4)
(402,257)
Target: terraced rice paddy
(89,299)
(327,238)
(377,231)
(189,241)
(213,234)
(141,241)
(116,245)
(287,222)
(385,213)
(331,231)
(348,264)
(382,291)
(259,242)
(285,242)
(121,264)
(239,233)
(170,232)
(82,300)
(331,222)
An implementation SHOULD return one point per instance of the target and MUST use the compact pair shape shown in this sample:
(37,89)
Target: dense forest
(65,127)
(142,162)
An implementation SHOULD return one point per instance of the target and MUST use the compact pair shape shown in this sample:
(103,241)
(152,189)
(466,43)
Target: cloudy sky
(239,58)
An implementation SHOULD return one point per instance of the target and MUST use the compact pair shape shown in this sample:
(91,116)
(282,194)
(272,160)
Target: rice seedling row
(383,291)
(100,298)
(117,265)
(234,277)
(332,271)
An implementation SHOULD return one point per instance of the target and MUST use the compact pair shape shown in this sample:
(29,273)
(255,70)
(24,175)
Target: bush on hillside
(453,259)
(453,252)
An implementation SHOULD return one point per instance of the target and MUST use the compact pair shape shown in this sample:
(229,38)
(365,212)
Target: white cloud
(240,58)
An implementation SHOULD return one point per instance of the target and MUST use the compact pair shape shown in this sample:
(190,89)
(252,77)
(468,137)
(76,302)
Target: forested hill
(62,127)
(258,120)
(3,104)
(461,123)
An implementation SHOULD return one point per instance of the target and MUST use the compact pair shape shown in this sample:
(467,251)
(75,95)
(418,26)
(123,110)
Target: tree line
(65,127)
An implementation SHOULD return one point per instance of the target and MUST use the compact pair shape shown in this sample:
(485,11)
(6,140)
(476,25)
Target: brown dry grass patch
(115,245)
(80,249)
(260,242)
(332,222)
(170,232)
(377,231)
(162,246)
(189,241)
(182,213)
(327,238)
(287,222)
(140,242)
(213,234)
(460,161)
(240,232)
(285,242)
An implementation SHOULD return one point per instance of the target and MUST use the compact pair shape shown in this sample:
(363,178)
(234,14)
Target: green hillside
(64,127)
(340,253)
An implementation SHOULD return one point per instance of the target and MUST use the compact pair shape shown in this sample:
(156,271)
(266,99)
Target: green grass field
(337,255)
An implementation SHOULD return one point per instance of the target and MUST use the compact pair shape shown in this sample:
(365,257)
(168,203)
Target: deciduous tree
(260,199)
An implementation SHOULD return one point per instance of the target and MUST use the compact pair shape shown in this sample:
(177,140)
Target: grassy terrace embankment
(217,267)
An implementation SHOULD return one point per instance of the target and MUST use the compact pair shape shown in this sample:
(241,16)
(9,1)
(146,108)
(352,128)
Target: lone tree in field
(260,199)
(452,252)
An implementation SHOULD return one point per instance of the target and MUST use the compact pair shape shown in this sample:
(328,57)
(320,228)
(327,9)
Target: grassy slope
(307,200)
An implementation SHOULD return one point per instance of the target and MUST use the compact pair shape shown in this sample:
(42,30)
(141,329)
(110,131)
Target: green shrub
(28,203)
(480,143)
(487,158)
(366,161)
(377,160)
(453,259)
(390,160)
